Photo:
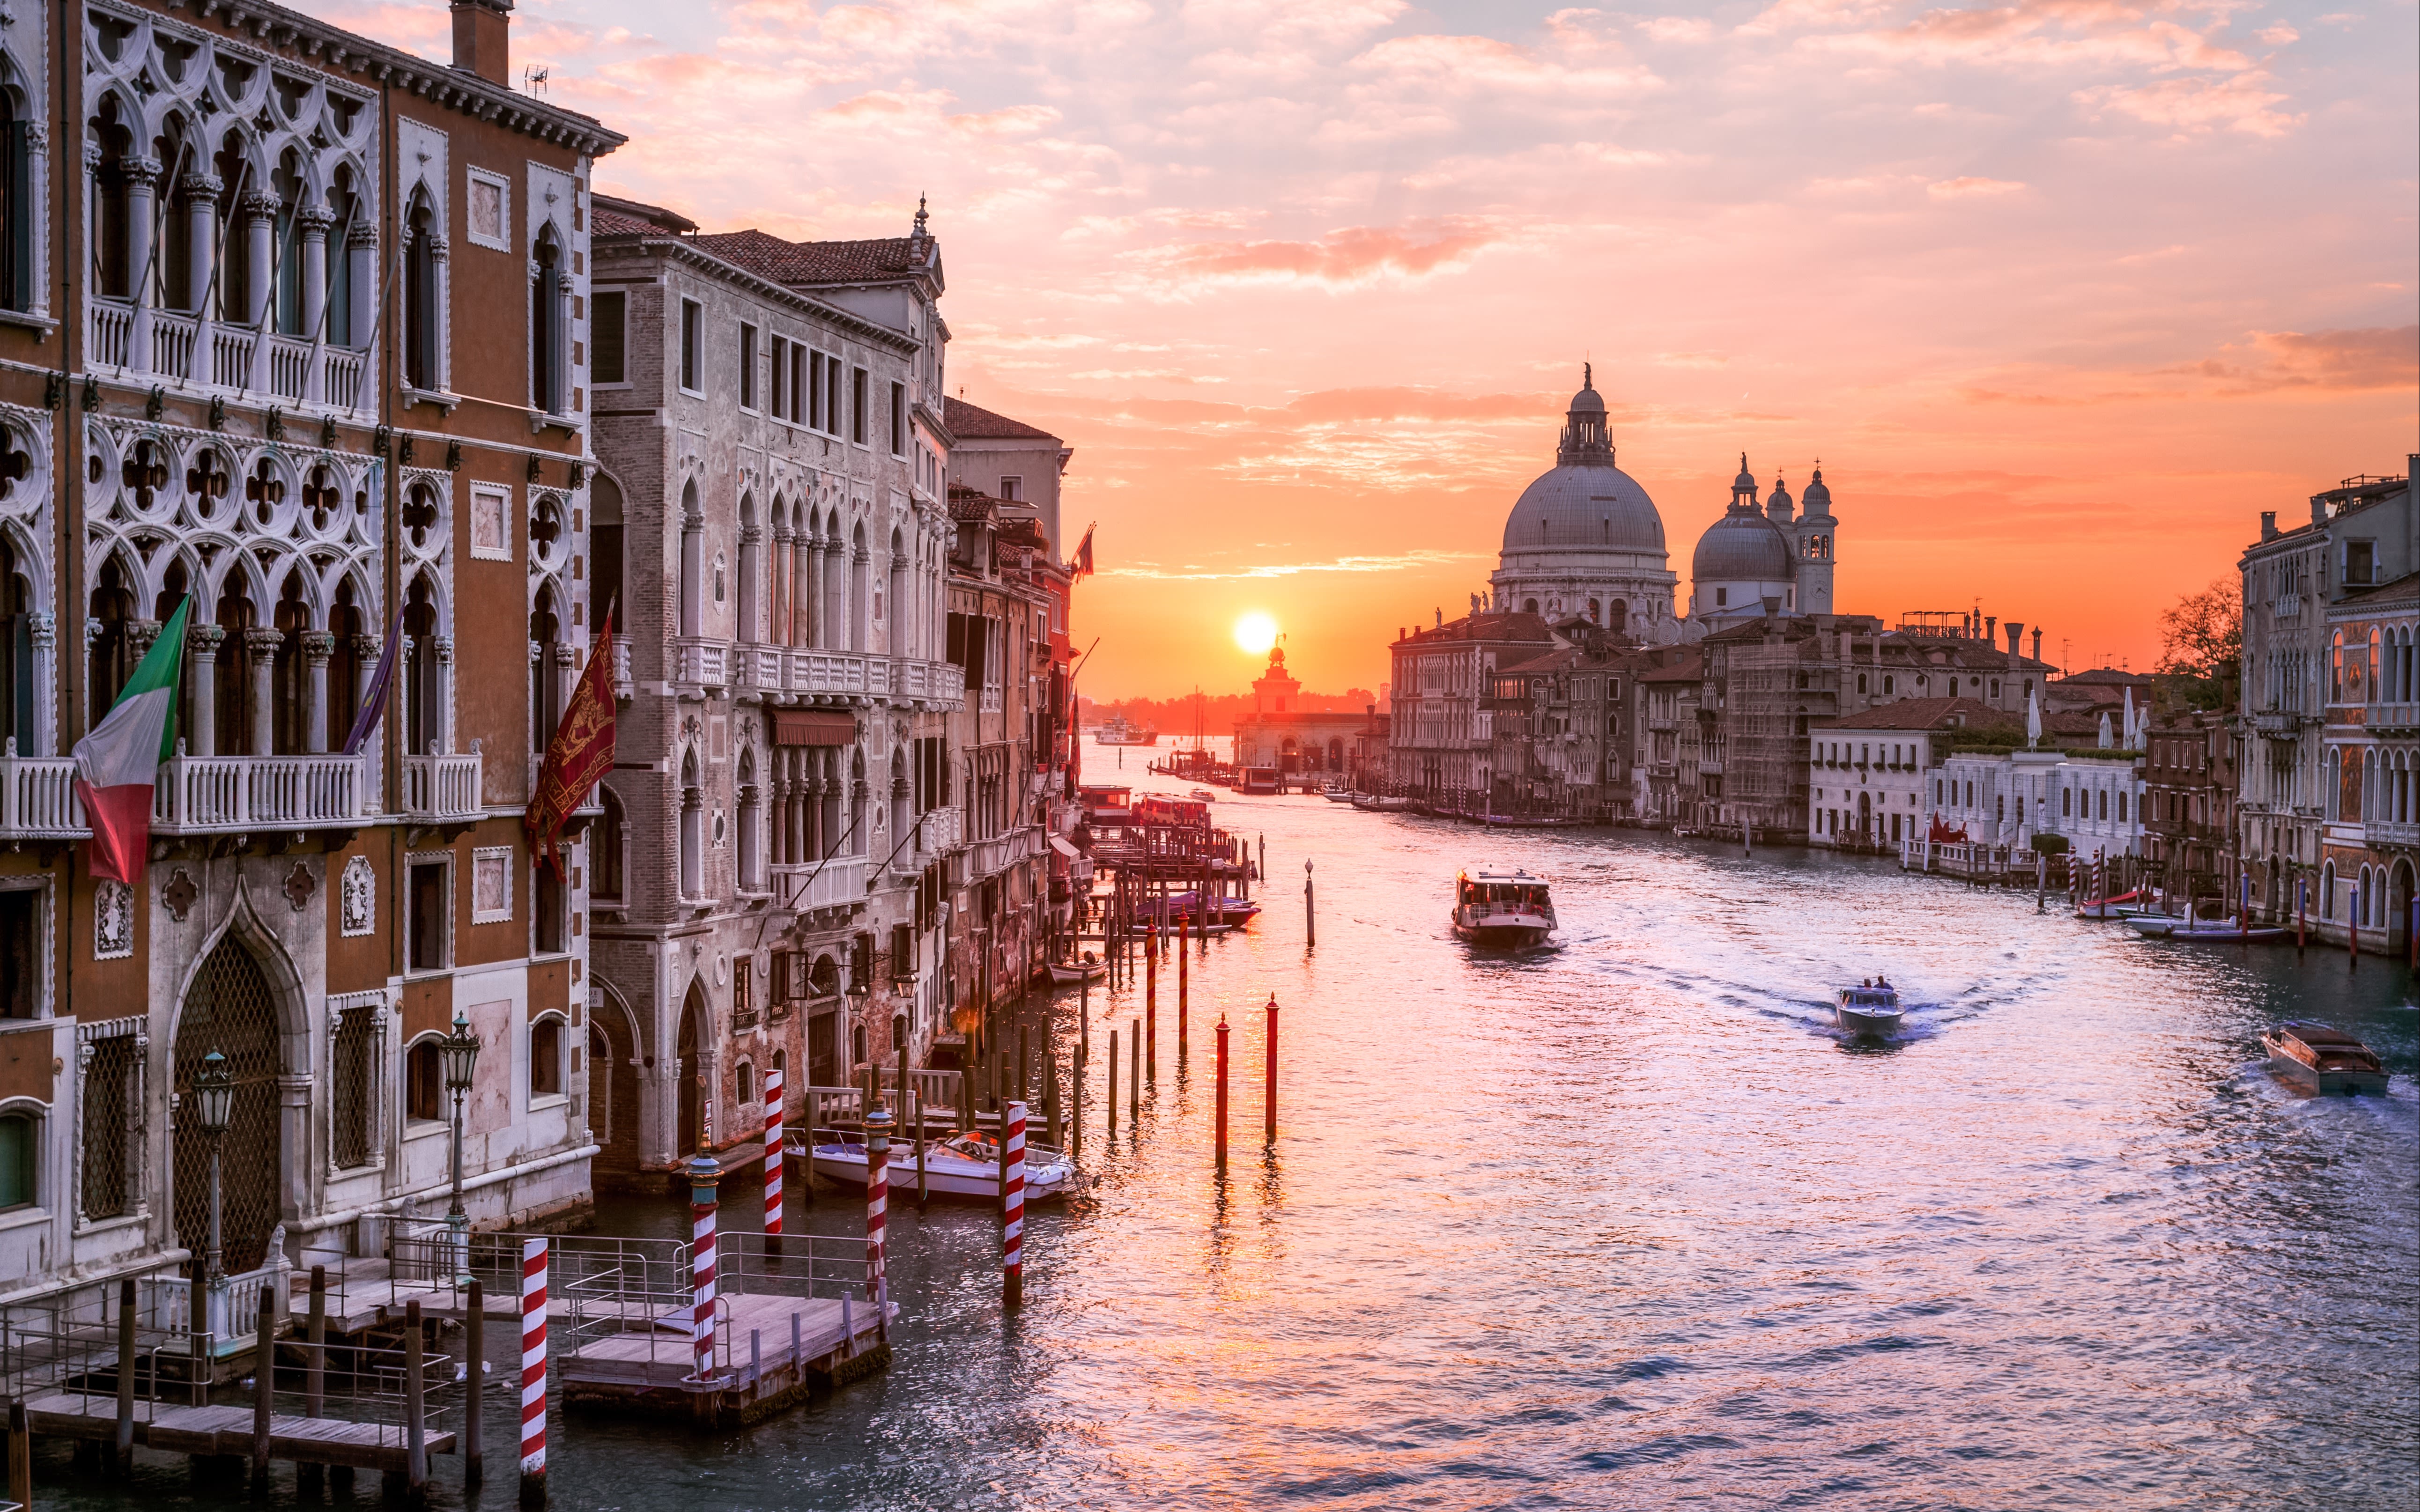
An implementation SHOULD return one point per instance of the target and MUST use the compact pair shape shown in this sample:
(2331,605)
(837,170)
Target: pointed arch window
(423,280)
(17,205)
(549,324)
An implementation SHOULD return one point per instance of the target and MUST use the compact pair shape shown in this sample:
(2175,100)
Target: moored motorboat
(1201,796)
(1086,969)
(1503,905)
(1868,1010)
(2153,925)
(2226,931)
(1340,795)
(2324,1058)
(960,1166)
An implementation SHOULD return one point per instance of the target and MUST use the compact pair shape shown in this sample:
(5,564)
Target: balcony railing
(186,348)
(702,663)
(37,798)
(624,687)
(756,668)
(832,672)
(834,884)
(990,701)
(2388,832)
(236,795)
(989,857)
(942,829)
(2392,716)
(437,789)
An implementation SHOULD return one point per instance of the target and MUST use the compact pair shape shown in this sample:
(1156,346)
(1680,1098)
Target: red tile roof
(1922,714)
(813,262)
(972,423)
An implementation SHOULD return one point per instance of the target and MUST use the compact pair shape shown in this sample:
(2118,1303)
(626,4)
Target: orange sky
(2063,293)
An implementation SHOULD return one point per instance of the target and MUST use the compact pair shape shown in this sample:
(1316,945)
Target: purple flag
(374,702)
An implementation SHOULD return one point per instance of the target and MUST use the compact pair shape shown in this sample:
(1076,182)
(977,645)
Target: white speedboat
(1201,795)
(1338,794)
(1868,1010)
(963,1165)
(1503,905)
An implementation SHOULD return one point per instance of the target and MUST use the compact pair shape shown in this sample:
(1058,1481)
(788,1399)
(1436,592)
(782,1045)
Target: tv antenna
(533,81)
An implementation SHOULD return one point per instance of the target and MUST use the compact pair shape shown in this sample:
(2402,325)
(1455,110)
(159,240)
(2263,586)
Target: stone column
(440,719)
(777,578)
(261,256)
(361,284)
(261,646)
(202,643)
(201,192)
(316,222)
(317,646)
(813,598)
(142,189)
(45,734)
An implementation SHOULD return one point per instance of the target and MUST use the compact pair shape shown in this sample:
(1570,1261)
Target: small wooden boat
(2226,932)
(1338,795)
(1868,1010)
(2325,1060)
(1502,907)
(1086,969)
(1377,804)
(963,1165)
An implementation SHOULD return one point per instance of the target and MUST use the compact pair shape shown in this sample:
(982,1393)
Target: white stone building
(1871,775)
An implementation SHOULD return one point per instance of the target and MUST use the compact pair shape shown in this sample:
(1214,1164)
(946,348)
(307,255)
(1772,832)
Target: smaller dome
(1818,499)
(1741,547)
(1746,478)
(1779,505)
(1590,400)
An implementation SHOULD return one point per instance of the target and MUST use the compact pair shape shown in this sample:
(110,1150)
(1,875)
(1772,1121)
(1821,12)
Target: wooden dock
(227,1429)
(770,1352)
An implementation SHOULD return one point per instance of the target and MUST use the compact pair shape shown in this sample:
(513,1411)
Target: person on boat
(1882,982)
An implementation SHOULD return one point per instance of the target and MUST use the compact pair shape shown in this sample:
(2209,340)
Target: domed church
(1585,541)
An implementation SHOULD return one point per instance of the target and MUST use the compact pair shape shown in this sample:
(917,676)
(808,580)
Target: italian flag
(117,763)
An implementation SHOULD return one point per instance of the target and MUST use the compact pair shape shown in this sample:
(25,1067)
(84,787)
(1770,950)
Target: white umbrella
(2033,720)
(2131,743)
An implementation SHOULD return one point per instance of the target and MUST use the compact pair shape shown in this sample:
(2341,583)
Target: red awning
(813,727)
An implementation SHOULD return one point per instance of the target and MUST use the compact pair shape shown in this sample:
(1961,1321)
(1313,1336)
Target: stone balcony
(989,857)
(443,789)
(2385,832)
(248,794)
(37,798)
(187,351)
(836,883)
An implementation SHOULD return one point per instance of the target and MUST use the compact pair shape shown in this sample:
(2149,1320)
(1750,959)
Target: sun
(1256,633)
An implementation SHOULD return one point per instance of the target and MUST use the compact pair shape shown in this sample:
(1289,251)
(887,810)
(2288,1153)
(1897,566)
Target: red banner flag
(580,754)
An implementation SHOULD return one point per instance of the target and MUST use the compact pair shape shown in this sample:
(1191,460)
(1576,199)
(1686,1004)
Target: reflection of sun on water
(1256,633)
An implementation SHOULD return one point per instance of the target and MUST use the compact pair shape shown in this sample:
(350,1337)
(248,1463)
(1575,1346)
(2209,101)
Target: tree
(2201,644)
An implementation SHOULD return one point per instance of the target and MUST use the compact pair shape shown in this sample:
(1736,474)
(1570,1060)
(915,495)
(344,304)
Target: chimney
(2268,525)
(2016,641)
(481,29)
(1991,628)
(2037,642)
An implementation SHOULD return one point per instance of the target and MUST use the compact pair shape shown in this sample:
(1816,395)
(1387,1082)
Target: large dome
(1582,505)
(1741,547)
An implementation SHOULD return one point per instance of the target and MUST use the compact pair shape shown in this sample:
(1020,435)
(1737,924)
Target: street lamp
(214,1094)
(459,1054)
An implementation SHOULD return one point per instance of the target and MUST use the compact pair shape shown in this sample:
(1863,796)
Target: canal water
(1625,1223)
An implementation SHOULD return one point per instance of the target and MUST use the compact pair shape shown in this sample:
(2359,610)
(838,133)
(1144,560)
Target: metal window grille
(354,1059)
(111,1104)
(230,1008)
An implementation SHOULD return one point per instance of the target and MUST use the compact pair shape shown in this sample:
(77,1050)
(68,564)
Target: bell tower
(1817,540)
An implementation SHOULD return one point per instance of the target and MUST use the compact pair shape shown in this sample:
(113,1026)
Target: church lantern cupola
(1585,441)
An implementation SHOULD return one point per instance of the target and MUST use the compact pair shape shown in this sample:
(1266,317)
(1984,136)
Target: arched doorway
(1865,818)
(687,1140)
(2399,908)
(615,1115)
(230,1008)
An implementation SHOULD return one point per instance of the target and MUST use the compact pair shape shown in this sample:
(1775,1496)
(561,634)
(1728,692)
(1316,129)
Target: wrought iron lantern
(213,1095)
(459,1053)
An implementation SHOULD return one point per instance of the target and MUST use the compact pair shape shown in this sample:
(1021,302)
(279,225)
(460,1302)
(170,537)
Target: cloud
(1969,187)
(1416,404)
(2241,103)
(2377,356)
(1352,255)
(1399,562)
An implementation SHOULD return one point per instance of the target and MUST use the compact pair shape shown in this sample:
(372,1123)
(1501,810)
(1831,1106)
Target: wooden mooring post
(1183,925)
(125,1442)
(475,1368)
(1310,918)
(21,1455)
(1269,1073)
(415,1402)
(1134,1090)
(1114,1087)
(264,1379)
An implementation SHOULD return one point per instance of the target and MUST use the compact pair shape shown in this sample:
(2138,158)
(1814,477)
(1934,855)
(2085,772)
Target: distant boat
(1503,905)
(1119,730)
(2326,1059)
(1340,795)
(961,1166)
(1873,1011)
(1201,795)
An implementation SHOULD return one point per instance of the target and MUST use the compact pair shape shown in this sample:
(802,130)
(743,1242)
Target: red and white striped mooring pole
(533,1371)
(704,1173)
(774,1107)
(877,1198)
(1011,1212)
